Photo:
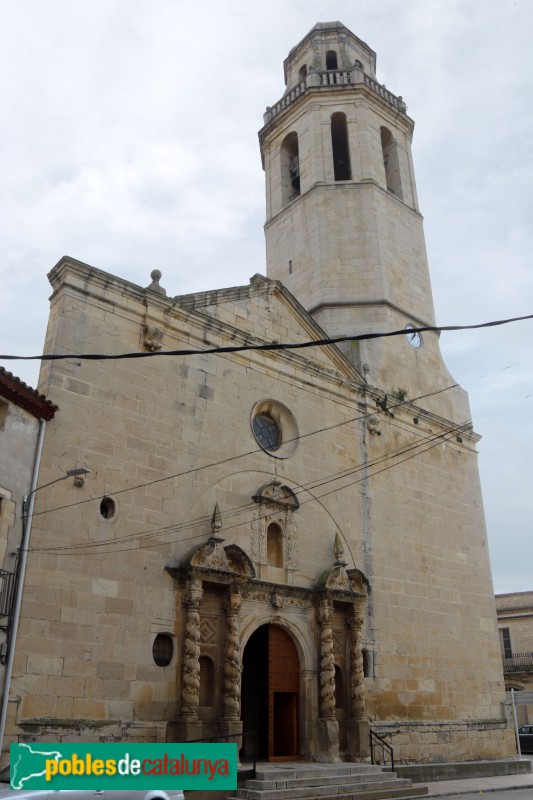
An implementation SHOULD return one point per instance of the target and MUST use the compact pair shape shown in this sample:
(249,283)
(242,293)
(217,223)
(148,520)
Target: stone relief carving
(291,539)
(208,631)
(277,494)
(258,543)
(211,555)
(152,338)
(297,602)
(257,595)
(338,642)
(373,425)
(338,579)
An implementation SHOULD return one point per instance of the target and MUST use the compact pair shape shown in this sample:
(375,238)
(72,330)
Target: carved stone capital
(233,604)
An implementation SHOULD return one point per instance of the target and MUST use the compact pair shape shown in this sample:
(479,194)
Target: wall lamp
(78,473)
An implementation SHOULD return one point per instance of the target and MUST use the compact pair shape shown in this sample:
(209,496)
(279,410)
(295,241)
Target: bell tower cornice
(327,87)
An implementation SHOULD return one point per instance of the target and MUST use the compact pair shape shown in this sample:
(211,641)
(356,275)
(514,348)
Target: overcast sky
(129,141)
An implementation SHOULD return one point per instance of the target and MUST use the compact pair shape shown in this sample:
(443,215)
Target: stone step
(376,792)
(317,781)
(309,771)
(297,783)
(374,782)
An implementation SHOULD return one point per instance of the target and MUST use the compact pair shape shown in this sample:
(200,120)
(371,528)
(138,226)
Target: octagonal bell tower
(343,229)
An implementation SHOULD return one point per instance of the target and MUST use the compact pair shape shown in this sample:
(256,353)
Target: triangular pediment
(262,313)
(265,312)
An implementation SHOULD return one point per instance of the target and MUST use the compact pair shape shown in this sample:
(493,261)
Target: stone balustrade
(329,78)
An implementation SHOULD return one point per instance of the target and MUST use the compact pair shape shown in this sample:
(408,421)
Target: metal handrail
(518,662)
(377,742)
(242,774)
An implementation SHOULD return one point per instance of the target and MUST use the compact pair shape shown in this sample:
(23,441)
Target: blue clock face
(413,337)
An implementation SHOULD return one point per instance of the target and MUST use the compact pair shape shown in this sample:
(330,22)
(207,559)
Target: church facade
(288,541)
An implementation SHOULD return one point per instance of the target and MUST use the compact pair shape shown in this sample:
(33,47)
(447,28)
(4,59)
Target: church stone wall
(431,616)
(91,612)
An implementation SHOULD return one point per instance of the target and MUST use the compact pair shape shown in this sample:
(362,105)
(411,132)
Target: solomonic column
(188,725)
(231,723)
(358,727)
(328,727)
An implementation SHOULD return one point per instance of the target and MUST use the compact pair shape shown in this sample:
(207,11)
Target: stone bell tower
(343,229)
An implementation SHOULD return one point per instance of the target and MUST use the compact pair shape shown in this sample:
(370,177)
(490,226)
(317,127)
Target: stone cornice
(103,288)
(334,82)
(378,301)
(414,410)
(344,186)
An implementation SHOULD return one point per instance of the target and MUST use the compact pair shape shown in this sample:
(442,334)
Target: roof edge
(16,391)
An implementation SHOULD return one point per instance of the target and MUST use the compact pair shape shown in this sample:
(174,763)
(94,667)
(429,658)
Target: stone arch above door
(296,629)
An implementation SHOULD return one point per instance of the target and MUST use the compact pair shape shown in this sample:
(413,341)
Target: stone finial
(258,279)
(154,286)
(338,550)
(216,523)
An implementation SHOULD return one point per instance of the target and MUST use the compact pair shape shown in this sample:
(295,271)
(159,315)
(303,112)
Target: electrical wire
(433,439)
(269,346)
(192,470)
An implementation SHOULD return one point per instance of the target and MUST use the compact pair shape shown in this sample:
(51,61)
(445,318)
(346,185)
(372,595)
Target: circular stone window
(163,649)
(274,428)
(267,432)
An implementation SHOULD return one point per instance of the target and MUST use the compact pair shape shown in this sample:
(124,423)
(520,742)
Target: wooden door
(283,696)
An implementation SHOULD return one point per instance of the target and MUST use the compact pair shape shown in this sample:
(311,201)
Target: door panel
(283,696)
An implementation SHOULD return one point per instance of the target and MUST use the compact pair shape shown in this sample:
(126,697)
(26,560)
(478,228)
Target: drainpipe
(26,530)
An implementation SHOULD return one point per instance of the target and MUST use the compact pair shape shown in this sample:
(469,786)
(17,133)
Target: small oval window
(107,507)
(163,649)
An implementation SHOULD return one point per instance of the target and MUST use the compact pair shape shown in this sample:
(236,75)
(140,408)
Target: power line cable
(259,347)
(189,538)
(193,470)
(437,438)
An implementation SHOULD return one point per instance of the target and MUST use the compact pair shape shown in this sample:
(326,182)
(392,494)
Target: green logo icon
(123,766)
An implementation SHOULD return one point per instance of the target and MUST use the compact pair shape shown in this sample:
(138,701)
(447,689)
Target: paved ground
(493,794)
(500,785)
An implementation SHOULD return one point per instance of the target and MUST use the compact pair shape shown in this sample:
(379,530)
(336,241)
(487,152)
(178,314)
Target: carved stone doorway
(271,693)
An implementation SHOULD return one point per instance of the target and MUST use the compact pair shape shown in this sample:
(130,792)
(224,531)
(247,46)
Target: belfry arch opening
(340,148)
(391,163)
(290,169)
(271,693)
(331,59)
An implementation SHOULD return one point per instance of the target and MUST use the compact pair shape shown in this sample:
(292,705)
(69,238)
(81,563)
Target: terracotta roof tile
(18,392)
